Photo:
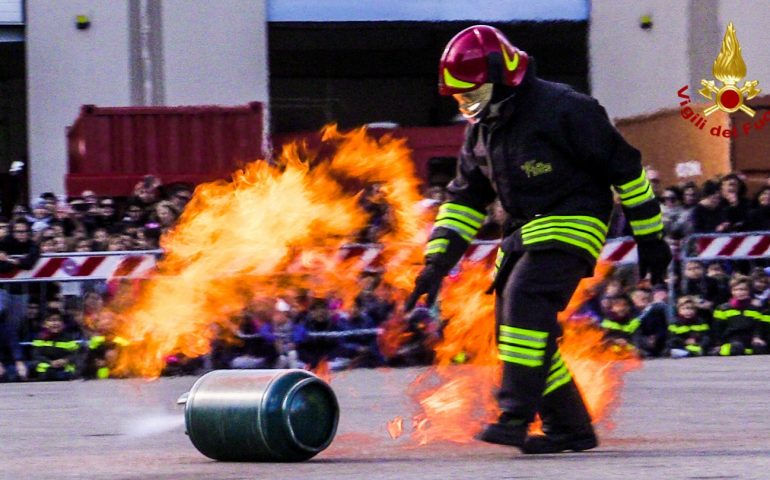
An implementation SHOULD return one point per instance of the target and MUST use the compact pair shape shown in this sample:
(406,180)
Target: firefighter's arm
(457,222)
(602,149)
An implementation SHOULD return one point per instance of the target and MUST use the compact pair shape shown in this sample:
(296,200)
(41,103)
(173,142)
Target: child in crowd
(55,352)
(739,324)
(621,325)
(653,329)
(689,332)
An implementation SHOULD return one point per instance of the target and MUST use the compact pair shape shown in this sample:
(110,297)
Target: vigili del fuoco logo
(729,69)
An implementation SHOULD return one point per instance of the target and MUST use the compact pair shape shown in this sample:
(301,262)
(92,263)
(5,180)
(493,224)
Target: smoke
(153,424)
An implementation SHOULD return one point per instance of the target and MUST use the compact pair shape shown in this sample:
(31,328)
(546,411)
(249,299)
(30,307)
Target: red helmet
(477,55)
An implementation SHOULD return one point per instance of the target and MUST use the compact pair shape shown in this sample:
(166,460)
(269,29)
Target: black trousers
(535,379)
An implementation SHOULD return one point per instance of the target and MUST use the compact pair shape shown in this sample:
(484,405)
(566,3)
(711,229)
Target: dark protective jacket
(739,323)
(551,155)
(696,331)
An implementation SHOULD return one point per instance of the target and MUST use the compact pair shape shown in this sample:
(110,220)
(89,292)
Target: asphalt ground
(702,418)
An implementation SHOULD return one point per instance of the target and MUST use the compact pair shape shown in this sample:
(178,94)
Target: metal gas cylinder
(260,415)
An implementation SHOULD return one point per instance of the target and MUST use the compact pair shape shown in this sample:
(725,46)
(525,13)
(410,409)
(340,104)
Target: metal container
(261,415)
(110,149)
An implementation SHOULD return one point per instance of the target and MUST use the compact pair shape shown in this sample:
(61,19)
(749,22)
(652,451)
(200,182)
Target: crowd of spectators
(58,332)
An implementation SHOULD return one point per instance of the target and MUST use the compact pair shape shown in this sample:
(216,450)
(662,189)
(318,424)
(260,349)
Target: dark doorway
(13,123)
(355,73)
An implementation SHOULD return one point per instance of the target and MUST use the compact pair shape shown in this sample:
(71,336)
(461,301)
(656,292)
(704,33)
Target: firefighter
(552,156)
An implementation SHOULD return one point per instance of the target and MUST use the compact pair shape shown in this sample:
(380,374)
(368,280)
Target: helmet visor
(472,104)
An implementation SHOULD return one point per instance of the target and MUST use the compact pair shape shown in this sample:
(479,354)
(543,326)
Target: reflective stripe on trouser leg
(558,374)
(539,286)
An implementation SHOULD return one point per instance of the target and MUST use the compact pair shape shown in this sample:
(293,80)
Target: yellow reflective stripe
(510,63)
(69,368)
(643,188)
(462,229)
(513,340)
(467,214)
(563,230)
(120,341)
(627,328)
(639,199)
(527,352)
(753,314)
(42,367)
(521,361)
(455,82)
(437,245)
(103,372)
(556,363)
(725,349)
(42,343)
(71,346)
(565,239)
(647,226)
(559,377)
(694,348)
(525,332)
(96,341)
(632,185)
(499,257)
(569,219)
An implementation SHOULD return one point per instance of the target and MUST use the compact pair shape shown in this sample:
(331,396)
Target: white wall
(65,69)
(213,52)
(636,71)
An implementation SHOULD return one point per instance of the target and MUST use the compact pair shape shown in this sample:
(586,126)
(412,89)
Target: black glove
(654,257)
(427,282)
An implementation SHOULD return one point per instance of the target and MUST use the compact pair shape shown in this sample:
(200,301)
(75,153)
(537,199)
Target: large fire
(280,226)
(271,228)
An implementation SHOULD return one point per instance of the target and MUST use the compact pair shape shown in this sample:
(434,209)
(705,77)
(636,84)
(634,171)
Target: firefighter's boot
(566,423)
(506,431)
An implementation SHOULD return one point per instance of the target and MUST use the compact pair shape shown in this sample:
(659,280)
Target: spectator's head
(107,208)
(40,209)
(621,306)
(641,298)
(715,270)
(54,322)
(4,228)
(181,197)
(92,303)
(319,311)
(613,288)
(710,194)
(19,212)
(147,191)
(672,197)
(115,244)
(21,231)
(732,184)
(79,207)
(763,197)
(693,270)
(690,194)
(687,307)
(83,245)
(89,197)
(759,280)
(134,213)
(740,287)
(101,236)
(653,176)
(166,213)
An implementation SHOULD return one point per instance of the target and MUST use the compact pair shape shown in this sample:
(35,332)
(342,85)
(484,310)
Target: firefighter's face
(473,104)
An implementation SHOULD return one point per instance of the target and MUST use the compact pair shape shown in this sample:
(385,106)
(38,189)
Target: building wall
(66,68)
(636,71)
(205,53)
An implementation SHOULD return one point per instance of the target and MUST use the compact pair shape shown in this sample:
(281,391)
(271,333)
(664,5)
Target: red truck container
(111,148)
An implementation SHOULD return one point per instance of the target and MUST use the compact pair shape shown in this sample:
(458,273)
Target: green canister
(261,415)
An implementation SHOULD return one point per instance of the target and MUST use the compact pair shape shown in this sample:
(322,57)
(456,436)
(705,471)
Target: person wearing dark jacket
(758,218)
(621,324)
(17,252)
(55,352)
(739,325)
(552,157)
(689,333)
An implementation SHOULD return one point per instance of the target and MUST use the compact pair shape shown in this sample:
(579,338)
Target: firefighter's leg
(539,287)
(566,421)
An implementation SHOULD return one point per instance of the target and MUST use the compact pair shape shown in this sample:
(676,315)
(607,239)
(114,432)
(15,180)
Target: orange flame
(455,402)
(323,371)
(396,427)
(270,228)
